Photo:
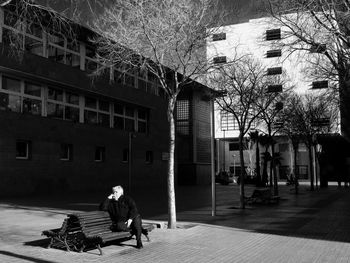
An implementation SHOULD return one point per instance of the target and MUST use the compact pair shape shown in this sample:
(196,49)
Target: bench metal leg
(99,249)
(51,242)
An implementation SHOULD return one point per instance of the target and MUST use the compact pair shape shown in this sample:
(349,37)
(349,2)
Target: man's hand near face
(128,223)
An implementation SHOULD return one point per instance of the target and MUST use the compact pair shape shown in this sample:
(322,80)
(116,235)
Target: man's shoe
(144,231)
(139,245)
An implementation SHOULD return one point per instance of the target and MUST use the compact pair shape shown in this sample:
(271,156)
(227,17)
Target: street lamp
(131,136)
(318,148)
(224,153)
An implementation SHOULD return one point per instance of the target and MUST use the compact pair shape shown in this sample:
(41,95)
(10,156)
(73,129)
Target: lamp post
(212,150)
(130,137)
(224,153)
(318,148)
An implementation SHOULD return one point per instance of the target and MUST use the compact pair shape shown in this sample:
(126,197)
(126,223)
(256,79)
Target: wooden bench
(87,230)
(262,196)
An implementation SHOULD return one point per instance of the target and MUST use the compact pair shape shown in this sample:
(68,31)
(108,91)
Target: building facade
(266,41)
(64,129)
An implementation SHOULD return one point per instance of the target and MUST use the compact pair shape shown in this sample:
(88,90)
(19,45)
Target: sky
(235,10)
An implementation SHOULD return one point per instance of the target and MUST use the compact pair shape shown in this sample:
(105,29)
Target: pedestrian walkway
(309,227)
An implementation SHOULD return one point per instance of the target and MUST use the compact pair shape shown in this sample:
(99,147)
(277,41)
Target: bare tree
(320,29)
(164,39)
(245,84)
(271,122)
(307,116)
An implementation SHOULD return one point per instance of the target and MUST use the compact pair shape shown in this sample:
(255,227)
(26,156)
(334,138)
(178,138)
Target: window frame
(68,148)
(273,34)
(101,152)
(149,157)
(220,60)
(219,36)
(27,150)
(320,84)
(273,53)
(22,95)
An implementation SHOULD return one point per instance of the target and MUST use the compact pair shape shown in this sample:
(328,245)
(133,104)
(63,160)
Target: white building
(264,39)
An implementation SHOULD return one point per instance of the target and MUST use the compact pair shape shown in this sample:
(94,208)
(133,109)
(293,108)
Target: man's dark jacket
(120,210)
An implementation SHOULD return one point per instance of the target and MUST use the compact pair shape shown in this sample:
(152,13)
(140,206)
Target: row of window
(24,152)
(229,123)
(271,34)
(22,96)
(30,37)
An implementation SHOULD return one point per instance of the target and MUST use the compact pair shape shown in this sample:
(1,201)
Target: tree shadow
(28,258)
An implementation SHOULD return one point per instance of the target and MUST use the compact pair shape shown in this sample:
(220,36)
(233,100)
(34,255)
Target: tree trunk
(264,173)
(296,172)
(241,176)
(311,167)
(273,164)
(344,96)
(271,172)
(171,165)
(257,165)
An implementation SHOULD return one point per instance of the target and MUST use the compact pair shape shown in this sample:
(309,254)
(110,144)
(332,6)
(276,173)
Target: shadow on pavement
(28,258)
(322,214)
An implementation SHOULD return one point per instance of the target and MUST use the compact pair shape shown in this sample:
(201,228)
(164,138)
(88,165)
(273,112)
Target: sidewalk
(310,227)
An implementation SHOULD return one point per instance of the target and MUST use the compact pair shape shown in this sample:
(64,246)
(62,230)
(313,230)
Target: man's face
(117,192)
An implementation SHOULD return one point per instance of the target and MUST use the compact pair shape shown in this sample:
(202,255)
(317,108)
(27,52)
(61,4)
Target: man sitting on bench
(124,215)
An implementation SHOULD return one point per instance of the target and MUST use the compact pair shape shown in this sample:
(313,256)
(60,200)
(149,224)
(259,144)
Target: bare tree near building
(245,84)
(320,29)
(307,116)
(164,39)
(265,141)
(255,138)
(270,119)
(28,16)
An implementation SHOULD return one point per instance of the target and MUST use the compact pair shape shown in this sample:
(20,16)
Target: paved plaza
(309,227)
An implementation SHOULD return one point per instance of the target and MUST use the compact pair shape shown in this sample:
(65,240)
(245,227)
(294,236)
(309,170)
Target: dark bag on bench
(119,227)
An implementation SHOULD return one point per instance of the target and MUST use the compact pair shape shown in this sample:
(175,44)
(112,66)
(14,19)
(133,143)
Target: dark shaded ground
(322,214)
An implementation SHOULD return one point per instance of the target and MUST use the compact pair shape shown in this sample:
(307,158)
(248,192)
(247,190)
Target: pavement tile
(310,227)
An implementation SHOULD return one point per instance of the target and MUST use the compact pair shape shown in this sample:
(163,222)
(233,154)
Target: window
(142,120)
(62,105)
(274,71)
(130,118)
(10,98)
(149,157)
(23,149)
(97,112)
(274,88)
(228,121)
(279,106)
(182,117)
(125,155)
(63,50)
(234,146)
(100,153)
(320,122)
(273,34)
(66,152)
(24,34)
(273,53)
(19,96)
(91,64)
(219,60)
(283,147)
(219,36)
(276,125)
(318,48)
(323,84)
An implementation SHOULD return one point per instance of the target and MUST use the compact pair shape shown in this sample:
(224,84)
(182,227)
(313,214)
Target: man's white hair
(118,188)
